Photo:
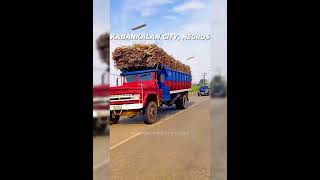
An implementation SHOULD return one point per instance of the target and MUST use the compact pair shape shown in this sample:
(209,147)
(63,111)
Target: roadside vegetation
(195,88)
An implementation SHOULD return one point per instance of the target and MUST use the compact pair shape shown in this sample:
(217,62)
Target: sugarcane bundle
(140,56)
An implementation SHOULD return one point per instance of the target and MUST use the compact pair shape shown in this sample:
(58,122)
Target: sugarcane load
(149,79)
(139,56)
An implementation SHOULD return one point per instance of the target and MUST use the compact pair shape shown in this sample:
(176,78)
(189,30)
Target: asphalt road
(178,146)
(101,159)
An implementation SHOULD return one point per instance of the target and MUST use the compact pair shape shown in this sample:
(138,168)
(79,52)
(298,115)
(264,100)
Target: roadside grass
(194,88)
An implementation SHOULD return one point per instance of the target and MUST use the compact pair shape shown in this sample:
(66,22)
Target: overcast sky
(169,16)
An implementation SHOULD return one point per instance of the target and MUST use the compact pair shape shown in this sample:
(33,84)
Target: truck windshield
(204,87)
(145,77)
(130,78)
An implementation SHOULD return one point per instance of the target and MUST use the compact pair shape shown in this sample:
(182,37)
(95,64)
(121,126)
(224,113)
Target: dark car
(219,90)
(204,91)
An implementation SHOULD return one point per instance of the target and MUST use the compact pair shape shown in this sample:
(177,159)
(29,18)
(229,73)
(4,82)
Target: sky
(169,16)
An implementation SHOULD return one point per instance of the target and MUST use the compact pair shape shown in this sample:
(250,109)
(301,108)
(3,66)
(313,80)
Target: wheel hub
(152,112)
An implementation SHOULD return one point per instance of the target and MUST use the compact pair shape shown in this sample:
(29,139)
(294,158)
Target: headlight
(136,97)
(95,114)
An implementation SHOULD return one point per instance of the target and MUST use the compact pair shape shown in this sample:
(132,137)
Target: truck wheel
(102,128)
(114,120)
(151,112)
(182,103)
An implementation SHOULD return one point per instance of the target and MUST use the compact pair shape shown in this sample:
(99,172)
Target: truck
(143,91)
(101,105)
(219,90)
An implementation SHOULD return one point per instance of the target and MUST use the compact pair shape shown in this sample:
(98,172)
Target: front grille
(100,101)
(120,98)
(123,97)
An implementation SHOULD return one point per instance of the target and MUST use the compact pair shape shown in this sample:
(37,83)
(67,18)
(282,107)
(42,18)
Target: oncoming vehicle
(219,90)
(203,91)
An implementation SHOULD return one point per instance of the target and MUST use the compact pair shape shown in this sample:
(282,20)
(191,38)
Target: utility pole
(204,78)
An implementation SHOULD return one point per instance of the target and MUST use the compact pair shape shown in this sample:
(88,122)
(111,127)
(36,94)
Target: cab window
(130,78)
(145,77)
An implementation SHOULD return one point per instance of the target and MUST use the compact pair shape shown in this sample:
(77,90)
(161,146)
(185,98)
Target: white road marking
(99,165)
(153,125)
(118,144)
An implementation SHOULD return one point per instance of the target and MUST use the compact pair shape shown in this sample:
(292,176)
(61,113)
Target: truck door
(165,89)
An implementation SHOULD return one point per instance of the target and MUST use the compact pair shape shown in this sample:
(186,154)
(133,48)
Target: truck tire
(98,128)
(114,120)
(102,128)
(182,103)
(151,112)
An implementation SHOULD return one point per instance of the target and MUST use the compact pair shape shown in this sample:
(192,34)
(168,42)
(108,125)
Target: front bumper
(203,93)
(126,106)
(101,117)
(101,113)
